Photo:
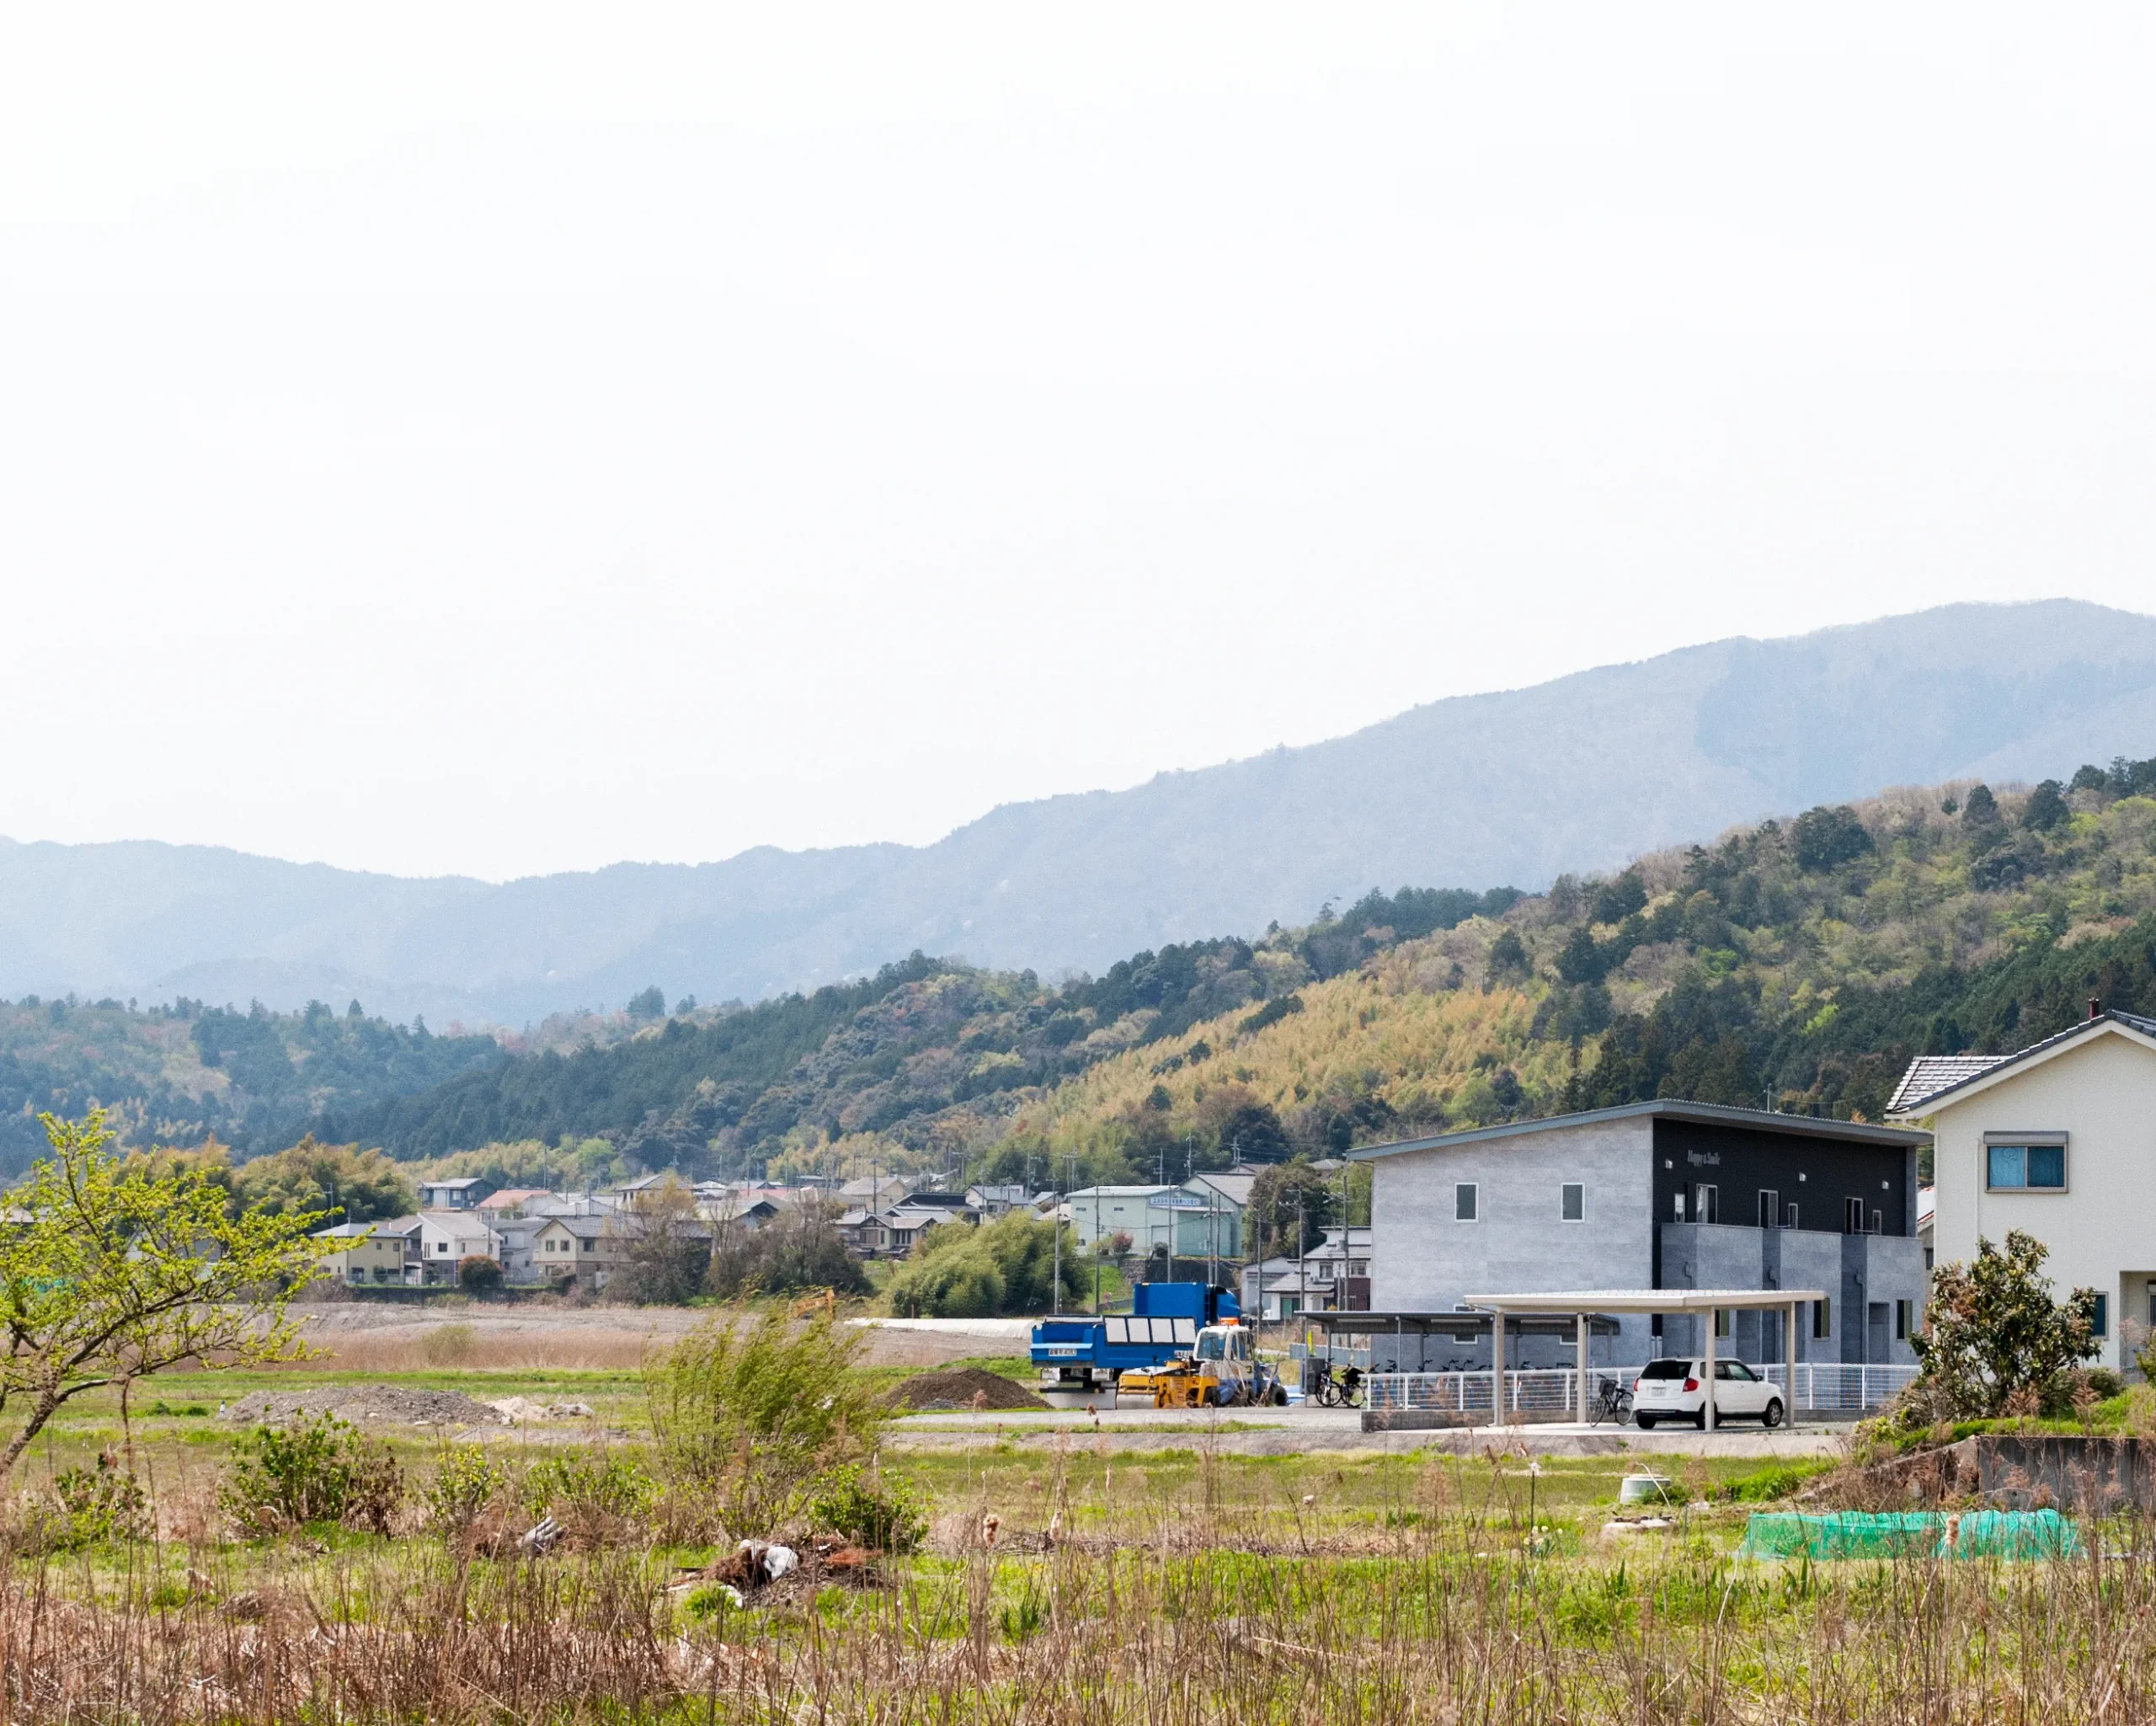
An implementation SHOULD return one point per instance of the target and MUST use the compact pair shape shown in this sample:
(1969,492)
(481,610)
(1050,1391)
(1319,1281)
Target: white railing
(1831,1385)
(1826,1386)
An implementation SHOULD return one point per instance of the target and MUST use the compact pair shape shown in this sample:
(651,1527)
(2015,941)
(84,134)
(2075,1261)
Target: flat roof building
(1663,1194)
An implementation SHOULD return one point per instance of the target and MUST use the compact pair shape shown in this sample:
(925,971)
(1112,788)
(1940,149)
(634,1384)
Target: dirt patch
(963,1388)
(367,1404)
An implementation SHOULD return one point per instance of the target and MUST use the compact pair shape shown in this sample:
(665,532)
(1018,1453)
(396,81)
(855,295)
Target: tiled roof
(1931,1077)
(1930,1074)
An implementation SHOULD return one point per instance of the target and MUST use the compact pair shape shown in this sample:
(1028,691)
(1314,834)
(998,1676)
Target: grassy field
(1075,1582)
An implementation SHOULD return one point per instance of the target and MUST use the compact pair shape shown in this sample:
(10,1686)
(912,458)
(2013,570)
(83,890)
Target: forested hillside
(915,1065)
(186,1072)
(1795,965)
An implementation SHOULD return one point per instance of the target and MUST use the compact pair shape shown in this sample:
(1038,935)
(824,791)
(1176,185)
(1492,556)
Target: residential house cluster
(541,1238)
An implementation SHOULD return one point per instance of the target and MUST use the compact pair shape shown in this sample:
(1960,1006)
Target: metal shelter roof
(1458,1327)
(1644,1299)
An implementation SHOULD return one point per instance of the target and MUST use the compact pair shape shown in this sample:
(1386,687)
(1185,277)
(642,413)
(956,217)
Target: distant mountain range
(1577,774)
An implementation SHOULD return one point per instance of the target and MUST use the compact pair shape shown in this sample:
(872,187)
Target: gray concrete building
(1661,1196)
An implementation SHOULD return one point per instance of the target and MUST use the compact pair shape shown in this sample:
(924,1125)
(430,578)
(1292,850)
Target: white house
(2059,1142)
(445,1237)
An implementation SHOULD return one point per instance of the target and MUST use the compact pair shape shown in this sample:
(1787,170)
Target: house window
(1463,1201)
(589,1246)
(2103,1325)
(1771,1207)
(1905,1318)
(1853,1216)
(1822,1318)
(2012,1168)
(1572,1201)
(1706,1204)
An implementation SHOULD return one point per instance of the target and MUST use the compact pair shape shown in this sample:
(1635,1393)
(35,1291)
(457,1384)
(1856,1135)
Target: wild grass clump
(747,1417)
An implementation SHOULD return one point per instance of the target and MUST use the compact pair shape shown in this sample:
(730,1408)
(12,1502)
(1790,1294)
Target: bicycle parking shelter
(1575,1315)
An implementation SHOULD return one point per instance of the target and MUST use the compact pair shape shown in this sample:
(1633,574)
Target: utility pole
(1302,1282)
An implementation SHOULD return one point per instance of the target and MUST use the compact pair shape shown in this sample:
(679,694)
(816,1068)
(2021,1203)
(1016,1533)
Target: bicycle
(1329,1389)
(1613,1403)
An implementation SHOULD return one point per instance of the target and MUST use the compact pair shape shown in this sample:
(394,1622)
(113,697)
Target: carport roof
(1643,1299)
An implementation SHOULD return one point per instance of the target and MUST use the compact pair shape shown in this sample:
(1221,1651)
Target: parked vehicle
(1223,1371)
(1676,1390)
(1084,1354)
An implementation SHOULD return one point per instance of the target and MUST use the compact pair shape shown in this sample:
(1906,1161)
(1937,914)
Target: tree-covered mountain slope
(1797,964)
(183,1074)
(1792,963)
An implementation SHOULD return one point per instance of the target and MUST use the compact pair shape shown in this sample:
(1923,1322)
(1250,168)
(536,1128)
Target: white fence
(1820,1387)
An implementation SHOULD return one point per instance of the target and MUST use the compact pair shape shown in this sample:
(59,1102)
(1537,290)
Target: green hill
(1793,964)
(183,1074)
(1796,964)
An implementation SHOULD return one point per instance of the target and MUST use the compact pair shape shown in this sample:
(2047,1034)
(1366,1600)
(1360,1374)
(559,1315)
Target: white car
(1674,1390)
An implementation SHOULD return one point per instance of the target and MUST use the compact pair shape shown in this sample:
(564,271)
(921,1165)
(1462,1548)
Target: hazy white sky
(506,440)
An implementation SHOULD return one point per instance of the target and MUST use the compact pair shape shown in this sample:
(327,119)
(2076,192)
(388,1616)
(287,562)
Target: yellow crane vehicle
(1222,1370)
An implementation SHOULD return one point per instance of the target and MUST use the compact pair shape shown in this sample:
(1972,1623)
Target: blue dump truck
(1083,1353)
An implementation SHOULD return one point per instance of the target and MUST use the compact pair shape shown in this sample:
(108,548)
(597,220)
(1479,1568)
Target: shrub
(1993,1338)
(888,1514)
(747,1418)
(604,1486)
(476,1273)
(98,1504)
(317,1470)
(463,1486)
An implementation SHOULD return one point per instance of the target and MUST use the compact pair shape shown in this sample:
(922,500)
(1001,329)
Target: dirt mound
(366,1404)
(963,1388)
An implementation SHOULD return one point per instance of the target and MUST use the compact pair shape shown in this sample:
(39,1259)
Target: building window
(1706,1204)
(2013,1168)
(2103,1325)
(1853,1216)
(1723,1315)
(1822,1318)
(1789,1216)
(1879,1222)
(1677,1204)
(1771,1207)
(1905,1314)
(1572,1201)
(1463,1201)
